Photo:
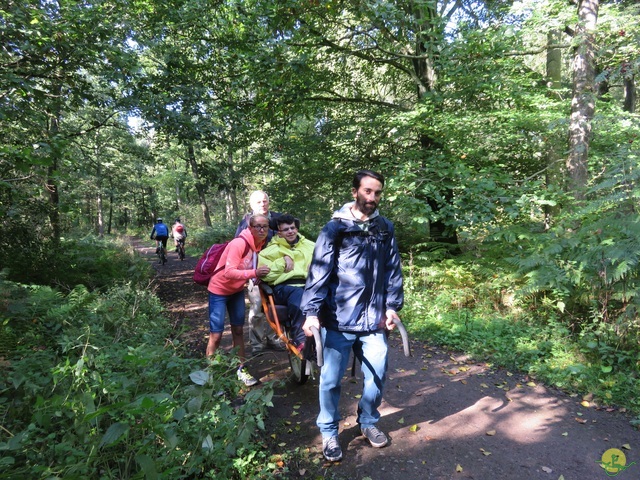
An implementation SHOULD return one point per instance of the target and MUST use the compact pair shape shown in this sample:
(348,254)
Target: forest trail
(448,417)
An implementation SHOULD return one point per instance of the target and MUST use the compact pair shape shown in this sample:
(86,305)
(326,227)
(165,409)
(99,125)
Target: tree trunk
(178,185)
(100,215)
(99,203)
(52,172)
(554,83)
(629,94)
(110,217)
(584,95)
(191,159)
(554,60)
(426,80)
(233,210)
(54,199)
(178,202)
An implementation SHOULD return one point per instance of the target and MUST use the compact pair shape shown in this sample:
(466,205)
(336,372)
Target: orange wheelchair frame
(276,316)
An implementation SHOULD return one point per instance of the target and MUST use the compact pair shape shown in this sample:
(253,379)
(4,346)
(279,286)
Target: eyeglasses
(260,227)
(288,229)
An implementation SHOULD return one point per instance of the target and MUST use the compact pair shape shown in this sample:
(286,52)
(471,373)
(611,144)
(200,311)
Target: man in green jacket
(288,256)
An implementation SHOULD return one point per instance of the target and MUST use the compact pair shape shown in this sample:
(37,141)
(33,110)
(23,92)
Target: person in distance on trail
(178,232)
(226,288)
(260,334)
(354,290)
(288,256)
(160,232)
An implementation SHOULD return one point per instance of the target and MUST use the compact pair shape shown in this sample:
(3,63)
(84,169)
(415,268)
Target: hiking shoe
(375,436)
(245,377)
(331,449)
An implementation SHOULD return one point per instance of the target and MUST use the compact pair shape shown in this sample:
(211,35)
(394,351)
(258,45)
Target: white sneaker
(245,377)
(331,449)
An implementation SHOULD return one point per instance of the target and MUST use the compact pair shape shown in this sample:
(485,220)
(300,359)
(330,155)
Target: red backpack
(206,267)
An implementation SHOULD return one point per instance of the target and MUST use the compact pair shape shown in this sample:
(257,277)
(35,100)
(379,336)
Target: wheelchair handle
(319,352)
(404,335)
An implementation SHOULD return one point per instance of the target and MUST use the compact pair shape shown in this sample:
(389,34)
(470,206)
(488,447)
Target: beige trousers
(260,333)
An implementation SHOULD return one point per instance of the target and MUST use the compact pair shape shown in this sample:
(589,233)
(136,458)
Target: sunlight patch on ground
(490,413)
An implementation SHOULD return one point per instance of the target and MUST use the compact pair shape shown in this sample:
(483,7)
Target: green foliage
(588,263)
(90,261)
(294,97)
(93,386)
(474,303)
(218,233)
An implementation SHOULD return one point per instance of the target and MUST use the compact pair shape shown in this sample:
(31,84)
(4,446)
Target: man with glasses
(260,334)
(288,257)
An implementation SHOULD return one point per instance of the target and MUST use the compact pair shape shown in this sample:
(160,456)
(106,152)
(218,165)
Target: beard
(365,207)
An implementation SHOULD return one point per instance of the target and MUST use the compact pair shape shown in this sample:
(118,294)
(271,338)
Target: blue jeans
(371,350)
(291,297)
(218,304)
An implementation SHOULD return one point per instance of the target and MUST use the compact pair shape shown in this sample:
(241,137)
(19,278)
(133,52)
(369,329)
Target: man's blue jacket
(355,274)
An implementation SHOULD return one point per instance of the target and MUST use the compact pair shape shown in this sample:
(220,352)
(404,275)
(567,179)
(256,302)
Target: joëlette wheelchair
(278,318)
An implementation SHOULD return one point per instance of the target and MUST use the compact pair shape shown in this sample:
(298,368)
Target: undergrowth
(477,305)
(93,385)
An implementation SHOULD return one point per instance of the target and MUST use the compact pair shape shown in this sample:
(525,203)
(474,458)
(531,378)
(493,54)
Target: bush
(97,389)
(204,238)
(90,261)
(473,303)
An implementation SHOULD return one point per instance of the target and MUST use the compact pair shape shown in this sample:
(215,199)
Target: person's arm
(153,232)
(322,264)
(394,292)
(272,257)
(236,259)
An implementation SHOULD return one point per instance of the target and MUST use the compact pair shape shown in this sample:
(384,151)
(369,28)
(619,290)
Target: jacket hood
(345,213)
(248,236)
(283,241)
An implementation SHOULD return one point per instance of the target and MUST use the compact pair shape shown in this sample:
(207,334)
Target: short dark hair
(288,219)
(357,178)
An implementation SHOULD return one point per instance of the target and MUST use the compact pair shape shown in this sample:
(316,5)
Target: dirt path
(448,417)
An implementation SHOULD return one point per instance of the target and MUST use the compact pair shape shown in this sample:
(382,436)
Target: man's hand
(308,323)
(391,317)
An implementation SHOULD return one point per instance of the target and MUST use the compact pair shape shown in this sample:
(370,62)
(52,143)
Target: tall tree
(364,61)
(584,96)
(54,54)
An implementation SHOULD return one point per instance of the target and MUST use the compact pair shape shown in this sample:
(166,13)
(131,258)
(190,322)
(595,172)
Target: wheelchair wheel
(298,369)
